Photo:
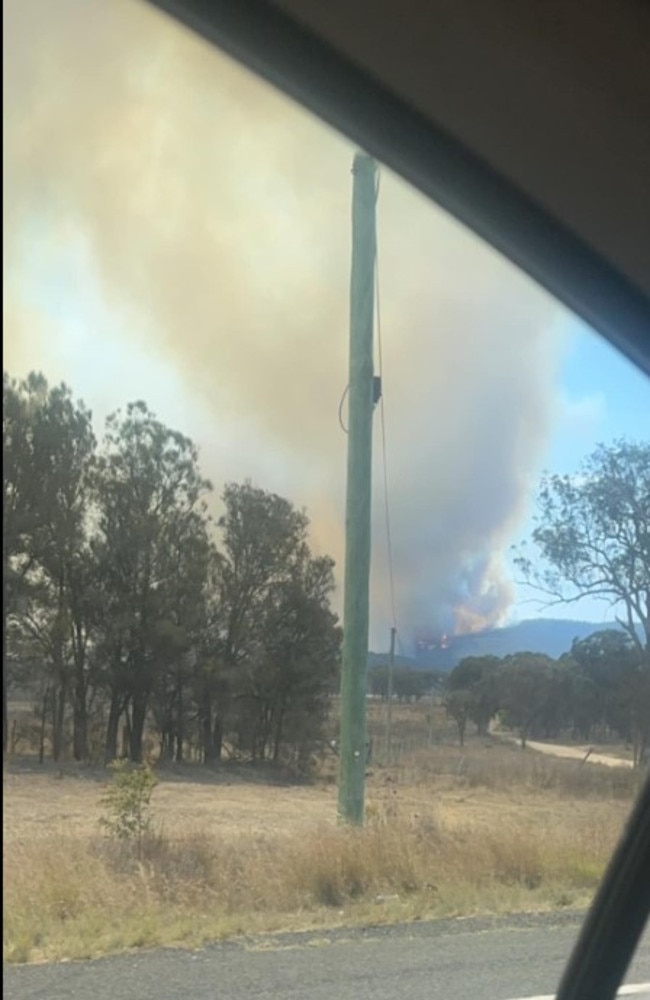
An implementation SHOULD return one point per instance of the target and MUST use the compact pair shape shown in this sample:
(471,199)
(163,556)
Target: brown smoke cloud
(214,217)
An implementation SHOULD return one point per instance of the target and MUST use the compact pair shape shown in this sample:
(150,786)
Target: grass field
(449,832)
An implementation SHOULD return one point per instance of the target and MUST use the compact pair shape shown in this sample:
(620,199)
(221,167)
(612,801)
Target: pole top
(362,162)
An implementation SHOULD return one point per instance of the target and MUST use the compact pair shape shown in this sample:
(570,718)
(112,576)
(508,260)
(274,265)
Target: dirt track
(578,753)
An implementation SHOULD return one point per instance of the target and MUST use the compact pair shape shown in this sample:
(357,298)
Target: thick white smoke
(211,215)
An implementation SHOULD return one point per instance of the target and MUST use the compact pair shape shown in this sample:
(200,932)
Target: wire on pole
(343,399)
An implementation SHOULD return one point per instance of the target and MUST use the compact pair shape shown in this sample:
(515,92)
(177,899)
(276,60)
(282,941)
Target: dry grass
(69,896)
(449,832)
(502,766)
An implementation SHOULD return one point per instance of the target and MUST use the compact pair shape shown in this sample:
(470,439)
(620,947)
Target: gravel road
(570,752)
(494,959)
(579,753)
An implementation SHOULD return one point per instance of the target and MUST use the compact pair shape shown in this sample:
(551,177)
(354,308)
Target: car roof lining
(459,178)
(551,95)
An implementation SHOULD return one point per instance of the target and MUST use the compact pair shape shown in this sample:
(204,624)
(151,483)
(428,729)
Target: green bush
(127,802)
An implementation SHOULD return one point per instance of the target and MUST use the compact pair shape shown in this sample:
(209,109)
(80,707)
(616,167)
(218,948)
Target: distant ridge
(552,636)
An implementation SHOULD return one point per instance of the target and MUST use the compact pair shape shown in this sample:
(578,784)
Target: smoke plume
(206,218)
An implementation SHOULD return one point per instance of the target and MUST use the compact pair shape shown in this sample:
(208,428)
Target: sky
(601,397)
(175,230)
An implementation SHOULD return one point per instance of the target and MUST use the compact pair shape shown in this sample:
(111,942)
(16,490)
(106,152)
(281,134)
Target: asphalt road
(492,959)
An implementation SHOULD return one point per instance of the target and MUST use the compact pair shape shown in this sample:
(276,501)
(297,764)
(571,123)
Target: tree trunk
(59,699)
(6,590)
(79,696)
(211,734)
(265,726)
(5,709)
(179,726)
(277,740)
(80,723)
(167,745)
(217,738)
(137,727)
(112,728)
(5,705)
(208,734)
(41,739)
(207,742)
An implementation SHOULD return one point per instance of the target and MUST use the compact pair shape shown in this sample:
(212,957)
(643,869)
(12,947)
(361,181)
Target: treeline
(127,610)
(409,684)
(601,687)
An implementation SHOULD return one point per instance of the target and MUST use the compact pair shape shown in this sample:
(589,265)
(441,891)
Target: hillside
(552,636)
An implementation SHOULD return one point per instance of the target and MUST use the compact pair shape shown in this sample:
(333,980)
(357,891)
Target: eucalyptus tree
(48,449)
(150,499)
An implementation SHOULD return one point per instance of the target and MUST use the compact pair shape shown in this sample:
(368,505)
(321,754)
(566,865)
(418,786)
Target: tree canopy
(127,609)
(599,686)
(592,535)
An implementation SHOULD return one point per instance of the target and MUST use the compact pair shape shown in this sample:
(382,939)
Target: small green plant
(127,802)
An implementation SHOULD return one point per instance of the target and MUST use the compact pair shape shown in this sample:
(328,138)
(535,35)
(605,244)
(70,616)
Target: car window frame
(305,68)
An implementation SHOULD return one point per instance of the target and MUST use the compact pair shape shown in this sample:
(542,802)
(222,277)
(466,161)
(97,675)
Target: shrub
(127,802)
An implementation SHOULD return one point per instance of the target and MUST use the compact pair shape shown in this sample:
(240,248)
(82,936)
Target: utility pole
(389,694)
(357,511)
